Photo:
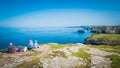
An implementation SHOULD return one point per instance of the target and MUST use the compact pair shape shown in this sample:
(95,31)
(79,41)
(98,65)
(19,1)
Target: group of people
(13,49)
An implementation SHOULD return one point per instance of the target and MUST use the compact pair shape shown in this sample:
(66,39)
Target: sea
(44,35)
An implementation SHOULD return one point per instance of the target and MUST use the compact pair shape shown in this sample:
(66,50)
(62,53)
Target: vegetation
(107,48)
(81,53)
(107,37)
(41,44)
(57,46)
(115,61)
(0,55)
(106,29)
(35,63)
(104,46)
(32,64)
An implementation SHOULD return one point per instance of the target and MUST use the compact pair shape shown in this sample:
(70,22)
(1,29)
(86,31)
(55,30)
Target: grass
(59,46)
(115,51)
(115,61)
(32,64)
(107,37)
(0,55)
(107,48)
(47,56)
(81,53)
(35,52)
(41,44)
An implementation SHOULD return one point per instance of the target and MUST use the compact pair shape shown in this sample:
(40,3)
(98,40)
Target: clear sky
(50,13)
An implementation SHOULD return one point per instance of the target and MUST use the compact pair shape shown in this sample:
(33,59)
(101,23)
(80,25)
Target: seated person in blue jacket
(30,45)
(11,48)
(19,48)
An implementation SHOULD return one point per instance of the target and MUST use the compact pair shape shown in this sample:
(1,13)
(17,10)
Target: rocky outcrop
(103,39)
(60,62)
(98,52)
(106,29)
(101,42)
(100,62)
(59,58)
(81,31)
(94,41)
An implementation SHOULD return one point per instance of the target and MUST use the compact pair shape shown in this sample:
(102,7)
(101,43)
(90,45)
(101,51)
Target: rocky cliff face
(106,29)
(103,39)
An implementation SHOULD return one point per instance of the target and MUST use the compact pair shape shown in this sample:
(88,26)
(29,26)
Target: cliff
(55,55)
(106,29)
(104,39)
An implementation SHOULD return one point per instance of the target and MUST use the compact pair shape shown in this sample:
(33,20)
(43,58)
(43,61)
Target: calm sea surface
(21,36)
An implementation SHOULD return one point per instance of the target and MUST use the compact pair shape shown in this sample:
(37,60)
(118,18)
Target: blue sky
(45,13)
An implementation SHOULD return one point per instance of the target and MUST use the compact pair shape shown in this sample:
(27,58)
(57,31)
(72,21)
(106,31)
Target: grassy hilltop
(54,55)
(107,39)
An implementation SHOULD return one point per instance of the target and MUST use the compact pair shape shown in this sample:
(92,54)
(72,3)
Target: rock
(81,31)
(80,44)
(65,50)
(100,62)
(54,43)
(94,41)
(74,48)
(43,48)
(98,52)
(60,62)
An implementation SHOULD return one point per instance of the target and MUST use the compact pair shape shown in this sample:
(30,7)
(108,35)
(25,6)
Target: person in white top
(36,44)
(25,49)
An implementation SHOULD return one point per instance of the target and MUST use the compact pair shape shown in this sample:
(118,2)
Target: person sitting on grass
(19,48)
(11,48)
(30,45)
(25,49)
(36,44)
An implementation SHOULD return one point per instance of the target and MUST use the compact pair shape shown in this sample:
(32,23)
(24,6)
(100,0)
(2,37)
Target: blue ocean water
(21,36)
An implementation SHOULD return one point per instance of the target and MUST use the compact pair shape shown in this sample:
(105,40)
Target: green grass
(108,48)
(107,37)
(59,46)
(81,53)
(41,44)
(32,64)
(115,61)
(114,51)
(0,55)
(104,46)
(47,56)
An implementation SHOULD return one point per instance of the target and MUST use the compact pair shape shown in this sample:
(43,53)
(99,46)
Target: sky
(54,13)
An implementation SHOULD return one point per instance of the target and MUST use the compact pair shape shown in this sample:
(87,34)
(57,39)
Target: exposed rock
(100,62)
(43,48)
(54,43)
(98,52)
(60,62)
(59,58)
(81,31)
(65,50)
(106,29)
(74,48)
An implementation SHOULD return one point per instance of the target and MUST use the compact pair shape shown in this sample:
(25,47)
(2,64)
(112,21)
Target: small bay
(21,36)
